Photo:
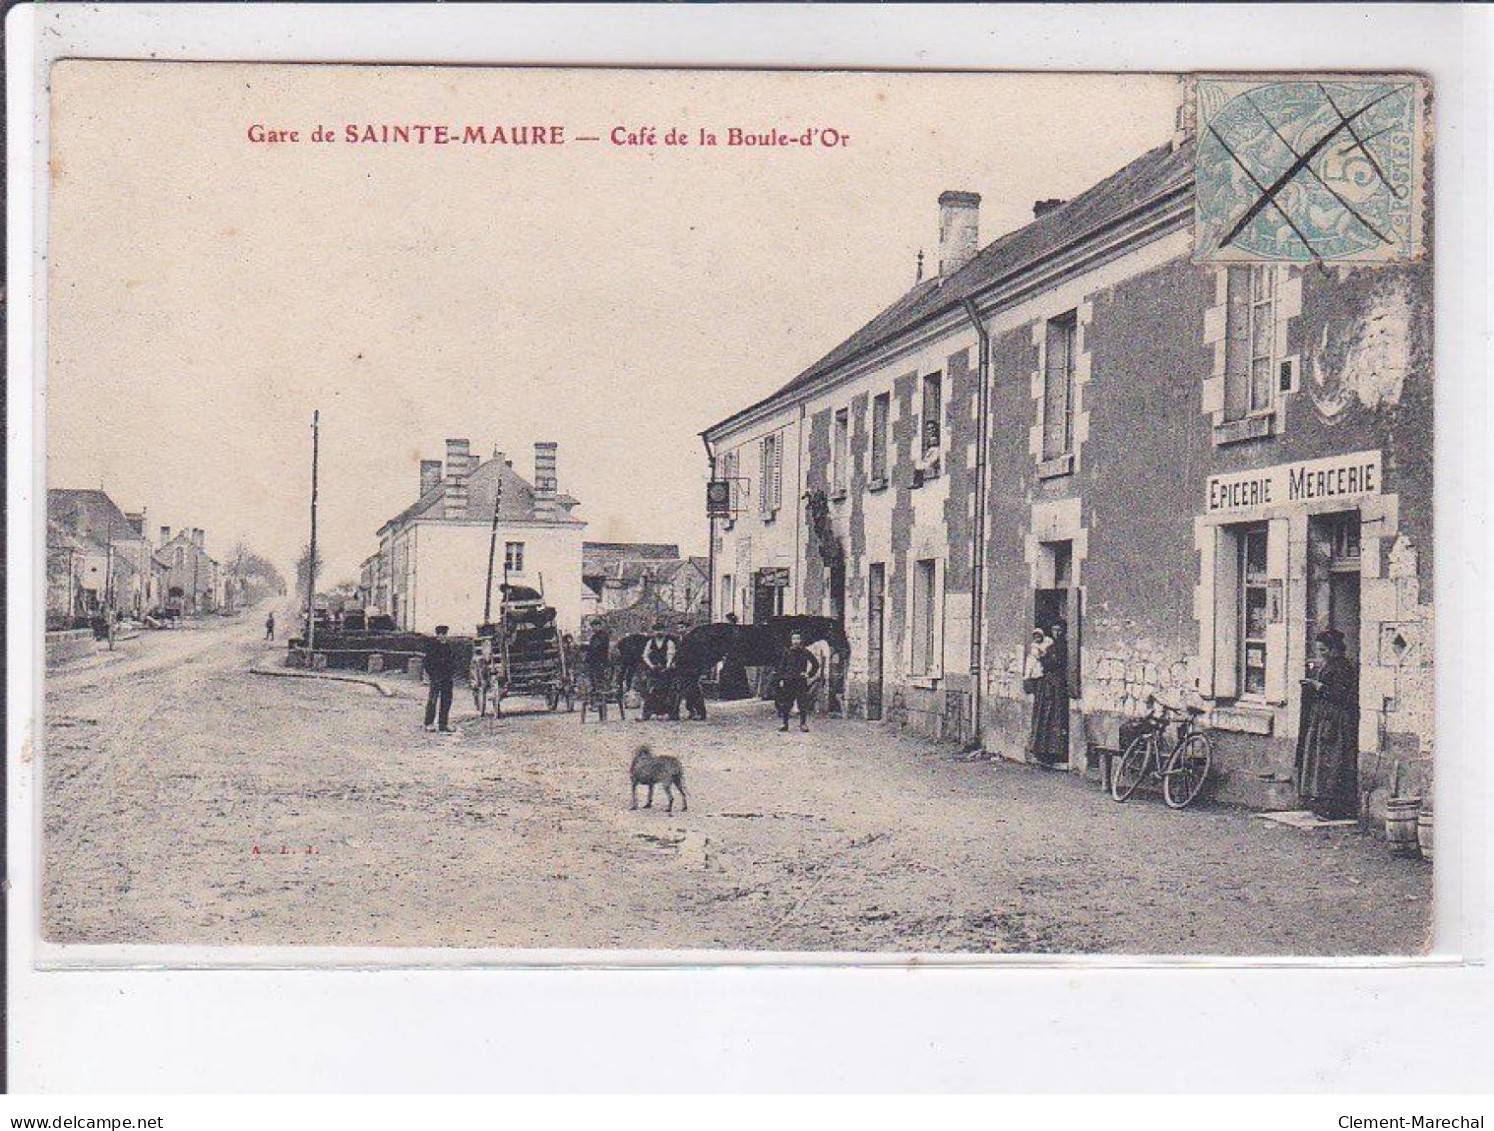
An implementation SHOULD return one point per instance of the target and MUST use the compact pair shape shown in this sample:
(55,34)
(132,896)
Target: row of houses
(1197,466)
(100,557)
(432,561)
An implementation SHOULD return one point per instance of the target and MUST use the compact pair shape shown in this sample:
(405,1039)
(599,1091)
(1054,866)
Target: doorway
(1051,600)
(1333,559)
(876,596)
(767,597)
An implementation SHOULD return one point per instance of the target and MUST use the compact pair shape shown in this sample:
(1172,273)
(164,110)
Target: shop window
(513,557)
(840,445)
(1244,643)
(1058,386)
(881,410)
(1253,614)
(924,620)
(1250,342)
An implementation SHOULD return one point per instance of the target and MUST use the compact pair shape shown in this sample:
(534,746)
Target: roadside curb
(335,677)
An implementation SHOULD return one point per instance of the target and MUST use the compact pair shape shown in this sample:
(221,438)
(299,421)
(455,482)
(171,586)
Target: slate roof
(596,557)
(1154,173)
(482,485)
(87,517)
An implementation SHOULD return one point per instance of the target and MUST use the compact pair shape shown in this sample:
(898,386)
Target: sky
(208,292)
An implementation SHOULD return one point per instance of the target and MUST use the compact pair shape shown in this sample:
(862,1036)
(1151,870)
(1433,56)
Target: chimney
(165,535)
(197,536)
(546,486)
(1043,207)
(430,475)
(136,519)
(458,466)
(959,230)
(1185,117)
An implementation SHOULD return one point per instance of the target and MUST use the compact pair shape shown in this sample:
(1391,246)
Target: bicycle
(1185,770)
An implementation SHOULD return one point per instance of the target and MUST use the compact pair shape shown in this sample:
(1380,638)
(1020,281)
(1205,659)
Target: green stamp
(1309,168)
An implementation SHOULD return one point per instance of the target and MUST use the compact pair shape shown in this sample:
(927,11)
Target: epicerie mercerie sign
(1337,477)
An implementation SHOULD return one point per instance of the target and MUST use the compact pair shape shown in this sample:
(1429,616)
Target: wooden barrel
(1424,833)
(1400,825)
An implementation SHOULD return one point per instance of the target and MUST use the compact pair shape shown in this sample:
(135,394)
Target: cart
(521,654)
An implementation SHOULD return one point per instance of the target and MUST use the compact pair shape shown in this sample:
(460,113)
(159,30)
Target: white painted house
(433,556)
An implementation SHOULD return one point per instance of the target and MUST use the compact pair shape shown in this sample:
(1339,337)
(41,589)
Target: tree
(252,576)
(306,572)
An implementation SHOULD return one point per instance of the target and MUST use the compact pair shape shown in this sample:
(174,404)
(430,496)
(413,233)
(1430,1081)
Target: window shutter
(765,476)
(1226,614)
(1276,629)
(1237,343)
(1075,615)
(777,470)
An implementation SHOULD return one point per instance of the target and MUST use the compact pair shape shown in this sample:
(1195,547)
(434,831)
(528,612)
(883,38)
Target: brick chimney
(165,535)
(546,486)
(959,230)
(197,536)
(1043,207)
(136,519)
(458,467)
(430,475)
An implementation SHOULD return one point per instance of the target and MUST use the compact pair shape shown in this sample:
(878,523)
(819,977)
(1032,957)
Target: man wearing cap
(659,658)
(440,667)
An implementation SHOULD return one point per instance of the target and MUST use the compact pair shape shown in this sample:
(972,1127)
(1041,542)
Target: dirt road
(190,801)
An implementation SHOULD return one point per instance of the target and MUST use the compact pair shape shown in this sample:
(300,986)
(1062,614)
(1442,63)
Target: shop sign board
(1351,476)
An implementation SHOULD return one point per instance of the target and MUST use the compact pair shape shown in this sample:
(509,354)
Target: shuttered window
(1250,341)
(881,406)
(770,487)
(1058,386)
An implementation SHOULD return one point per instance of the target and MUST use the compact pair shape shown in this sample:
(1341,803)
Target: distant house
(190,582)
(97,556)
(433,556)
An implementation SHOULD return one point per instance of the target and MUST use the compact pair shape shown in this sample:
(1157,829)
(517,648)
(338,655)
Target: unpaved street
(191,801)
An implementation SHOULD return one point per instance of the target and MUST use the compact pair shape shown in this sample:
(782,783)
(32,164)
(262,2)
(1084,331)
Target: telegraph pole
(316,418)
(487,599)
(109,582)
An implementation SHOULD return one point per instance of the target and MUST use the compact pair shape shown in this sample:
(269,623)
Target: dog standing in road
(651,770)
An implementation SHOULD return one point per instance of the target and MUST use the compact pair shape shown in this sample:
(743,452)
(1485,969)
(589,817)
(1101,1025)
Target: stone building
(190,583)
(432,559)
(621,574)
(1198,467)
(97,553)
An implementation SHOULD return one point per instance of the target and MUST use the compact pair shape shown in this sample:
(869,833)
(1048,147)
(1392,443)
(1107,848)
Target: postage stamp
(1310,168)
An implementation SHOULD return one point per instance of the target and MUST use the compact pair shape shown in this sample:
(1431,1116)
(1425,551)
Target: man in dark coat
(270,627)
(796,668)
(659,657)
(440,668)
(690,667)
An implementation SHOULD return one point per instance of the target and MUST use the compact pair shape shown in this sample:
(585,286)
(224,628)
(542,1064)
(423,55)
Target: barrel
(1400,825)
(1424,833)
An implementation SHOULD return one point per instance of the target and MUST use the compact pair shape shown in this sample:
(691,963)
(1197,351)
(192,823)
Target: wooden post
(487,593)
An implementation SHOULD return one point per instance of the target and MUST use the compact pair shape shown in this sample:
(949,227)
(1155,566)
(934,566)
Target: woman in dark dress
(1049,741)
(1328,750)
(732,682)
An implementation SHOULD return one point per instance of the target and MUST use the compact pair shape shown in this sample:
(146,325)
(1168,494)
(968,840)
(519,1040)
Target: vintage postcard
(746,512)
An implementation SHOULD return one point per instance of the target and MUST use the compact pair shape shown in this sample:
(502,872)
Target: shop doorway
(767,594)
(876,596)
(1333,559)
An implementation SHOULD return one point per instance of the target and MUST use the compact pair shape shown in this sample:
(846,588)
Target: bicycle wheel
(1126,774)
(1187,770)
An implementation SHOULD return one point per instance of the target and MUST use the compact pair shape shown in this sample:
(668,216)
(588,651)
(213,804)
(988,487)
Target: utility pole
(487,600)
(316,418)
(109,581)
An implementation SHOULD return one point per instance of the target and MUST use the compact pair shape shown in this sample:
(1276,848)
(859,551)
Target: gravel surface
(188,800)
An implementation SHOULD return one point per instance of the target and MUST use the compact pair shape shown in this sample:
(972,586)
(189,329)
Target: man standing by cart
(440,669)
(659,657)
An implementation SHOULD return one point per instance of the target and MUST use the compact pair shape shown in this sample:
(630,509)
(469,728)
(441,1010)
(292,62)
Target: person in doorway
(270,627)
(1328,749)
(660,654)
(440,669)
(1048,742)
(1032,669)
(796,668)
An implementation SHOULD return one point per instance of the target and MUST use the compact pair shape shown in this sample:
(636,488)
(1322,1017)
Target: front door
(875,608)
(1333,580)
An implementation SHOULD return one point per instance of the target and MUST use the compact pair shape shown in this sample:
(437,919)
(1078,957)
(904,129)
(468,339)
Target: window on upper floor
(770,474)
(1250,341)
(513,557)
(840,451)
(881,410)
(1058,385)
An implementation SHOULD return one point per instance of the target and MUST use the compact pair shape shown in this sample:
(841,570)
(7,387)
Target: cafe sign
(1344,477)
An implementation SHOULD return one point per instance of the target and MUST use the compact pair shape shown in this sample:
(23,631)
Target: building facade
(1196,467)
(432,560)
(97,555)
(190,581)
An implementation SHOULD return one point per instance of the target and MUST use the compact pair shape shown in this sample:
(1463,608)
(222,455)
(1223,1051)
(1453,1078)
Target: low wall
(69,644)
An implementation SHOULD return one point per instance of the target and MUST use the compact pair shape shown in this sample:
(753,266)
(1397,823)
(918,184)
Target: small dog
(649,770)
